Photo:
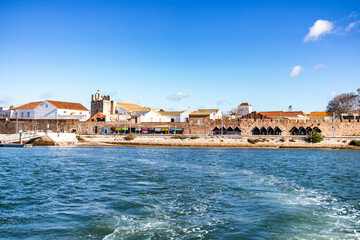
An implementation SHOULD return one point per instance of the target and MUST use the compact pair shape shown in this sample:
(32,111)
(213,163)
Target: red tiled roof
(68,105)
(96,116)
(57,104)
(31,105)
(320,114)
(283,114)
(245,105)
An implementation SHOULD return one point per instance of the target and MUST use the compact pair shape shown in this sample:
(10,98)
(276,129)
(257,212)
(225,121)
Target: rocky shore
(216,142)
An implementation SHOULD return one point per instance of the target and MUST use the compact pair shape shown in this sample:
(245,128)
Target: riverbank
(214,142)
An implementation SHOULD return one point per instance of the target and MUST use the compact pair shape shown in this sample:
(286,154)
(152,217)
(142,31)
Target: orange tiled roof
(320,114)
(245,105)
(141,109)
(68,105)
(207,110)
(171,113)
(128,106)
(97,115)
(199,114)
(283,114)
(31,105)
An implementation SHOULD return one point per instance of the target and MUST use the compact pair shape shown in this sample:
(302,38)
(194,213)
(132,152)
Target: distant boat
(14,145)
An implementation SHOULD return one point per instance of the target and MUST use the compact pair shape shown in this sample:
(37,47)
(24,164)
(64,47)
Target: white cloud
(352,25)
(317,66)
(178,96)
(320,28)
(4,99)
(295,72)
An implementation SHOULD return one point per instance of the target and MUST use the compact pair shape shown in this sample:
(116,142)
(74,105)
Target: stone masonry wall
(343,128)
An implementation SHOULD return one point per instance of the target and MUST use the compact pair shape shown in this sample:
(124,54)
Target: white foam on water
(329,218)
(147,228)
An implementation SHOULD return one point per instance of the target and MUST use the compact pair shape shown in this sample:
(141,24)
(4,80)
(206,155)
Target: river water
(178,193)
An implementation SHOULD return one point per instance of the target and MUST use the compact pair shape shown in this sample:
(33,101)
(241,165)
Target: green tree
(315,137)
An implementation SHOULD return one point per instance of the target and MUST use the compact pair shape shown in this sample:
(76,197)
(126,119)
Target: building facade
(50,109)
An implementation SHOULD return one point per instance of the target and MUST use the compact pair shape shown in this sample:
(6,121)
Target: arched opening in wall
(270,131)
(230,130)
(224,130)
(237,131)
(308,130)
(277,131)
(216,131)
(263,131)
(294,131)
(255,131)
(302,131)
(73,130)
(316,129)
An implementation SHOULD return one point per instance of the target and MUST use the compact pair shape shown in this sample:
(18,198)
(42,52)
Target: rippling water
(172,193)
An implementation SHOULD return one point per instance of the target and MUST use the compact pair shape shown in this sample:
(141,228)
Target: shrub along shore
(216,141)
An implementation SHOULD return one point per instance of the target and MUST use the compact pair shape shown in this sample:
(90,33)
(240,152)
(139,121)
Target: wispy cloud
(317,66)
(4,99)
(295,72)
(46,95)
(320,28)
(352,25)
(353,15)
(223,102)
(178,96)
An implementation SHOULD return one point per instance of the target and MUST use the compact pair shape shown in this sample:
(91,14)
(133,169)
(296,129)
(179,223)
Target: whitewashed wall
(151,117)
(184,115)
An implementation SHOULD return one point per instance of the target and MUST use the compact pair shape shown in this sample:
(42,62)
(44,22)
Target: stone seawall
(214,142)
(342,128)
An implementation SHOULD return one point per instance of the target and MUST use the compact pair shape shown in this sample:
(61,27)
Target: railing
(25,136)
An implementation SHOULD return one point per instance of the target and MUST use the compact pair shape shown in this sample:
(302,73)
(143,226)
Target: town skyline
(177,55)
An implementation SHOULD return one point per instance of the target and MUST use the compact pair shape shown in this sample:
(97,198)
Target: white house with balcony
(50,109)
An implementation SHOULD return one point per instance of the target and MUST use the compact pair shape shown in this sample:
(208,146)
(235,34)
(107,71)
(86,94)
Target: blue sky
(180,54)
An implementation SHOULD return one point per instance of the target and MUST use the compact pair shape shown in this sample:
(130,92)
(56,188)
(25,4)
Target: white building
(49,109)
(7,112)
(214,113)
(244,109)
(175,116)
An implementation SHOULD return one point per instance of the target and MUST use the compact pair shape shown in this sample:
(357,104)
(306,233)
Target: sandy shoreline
(213,142)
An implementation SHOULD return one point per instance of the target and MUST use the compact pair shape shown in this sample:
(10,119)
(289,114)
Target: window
(28,114)
(186,119)
(80,113)
(199,121)
(173,120)
(22,115)
(64,111)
